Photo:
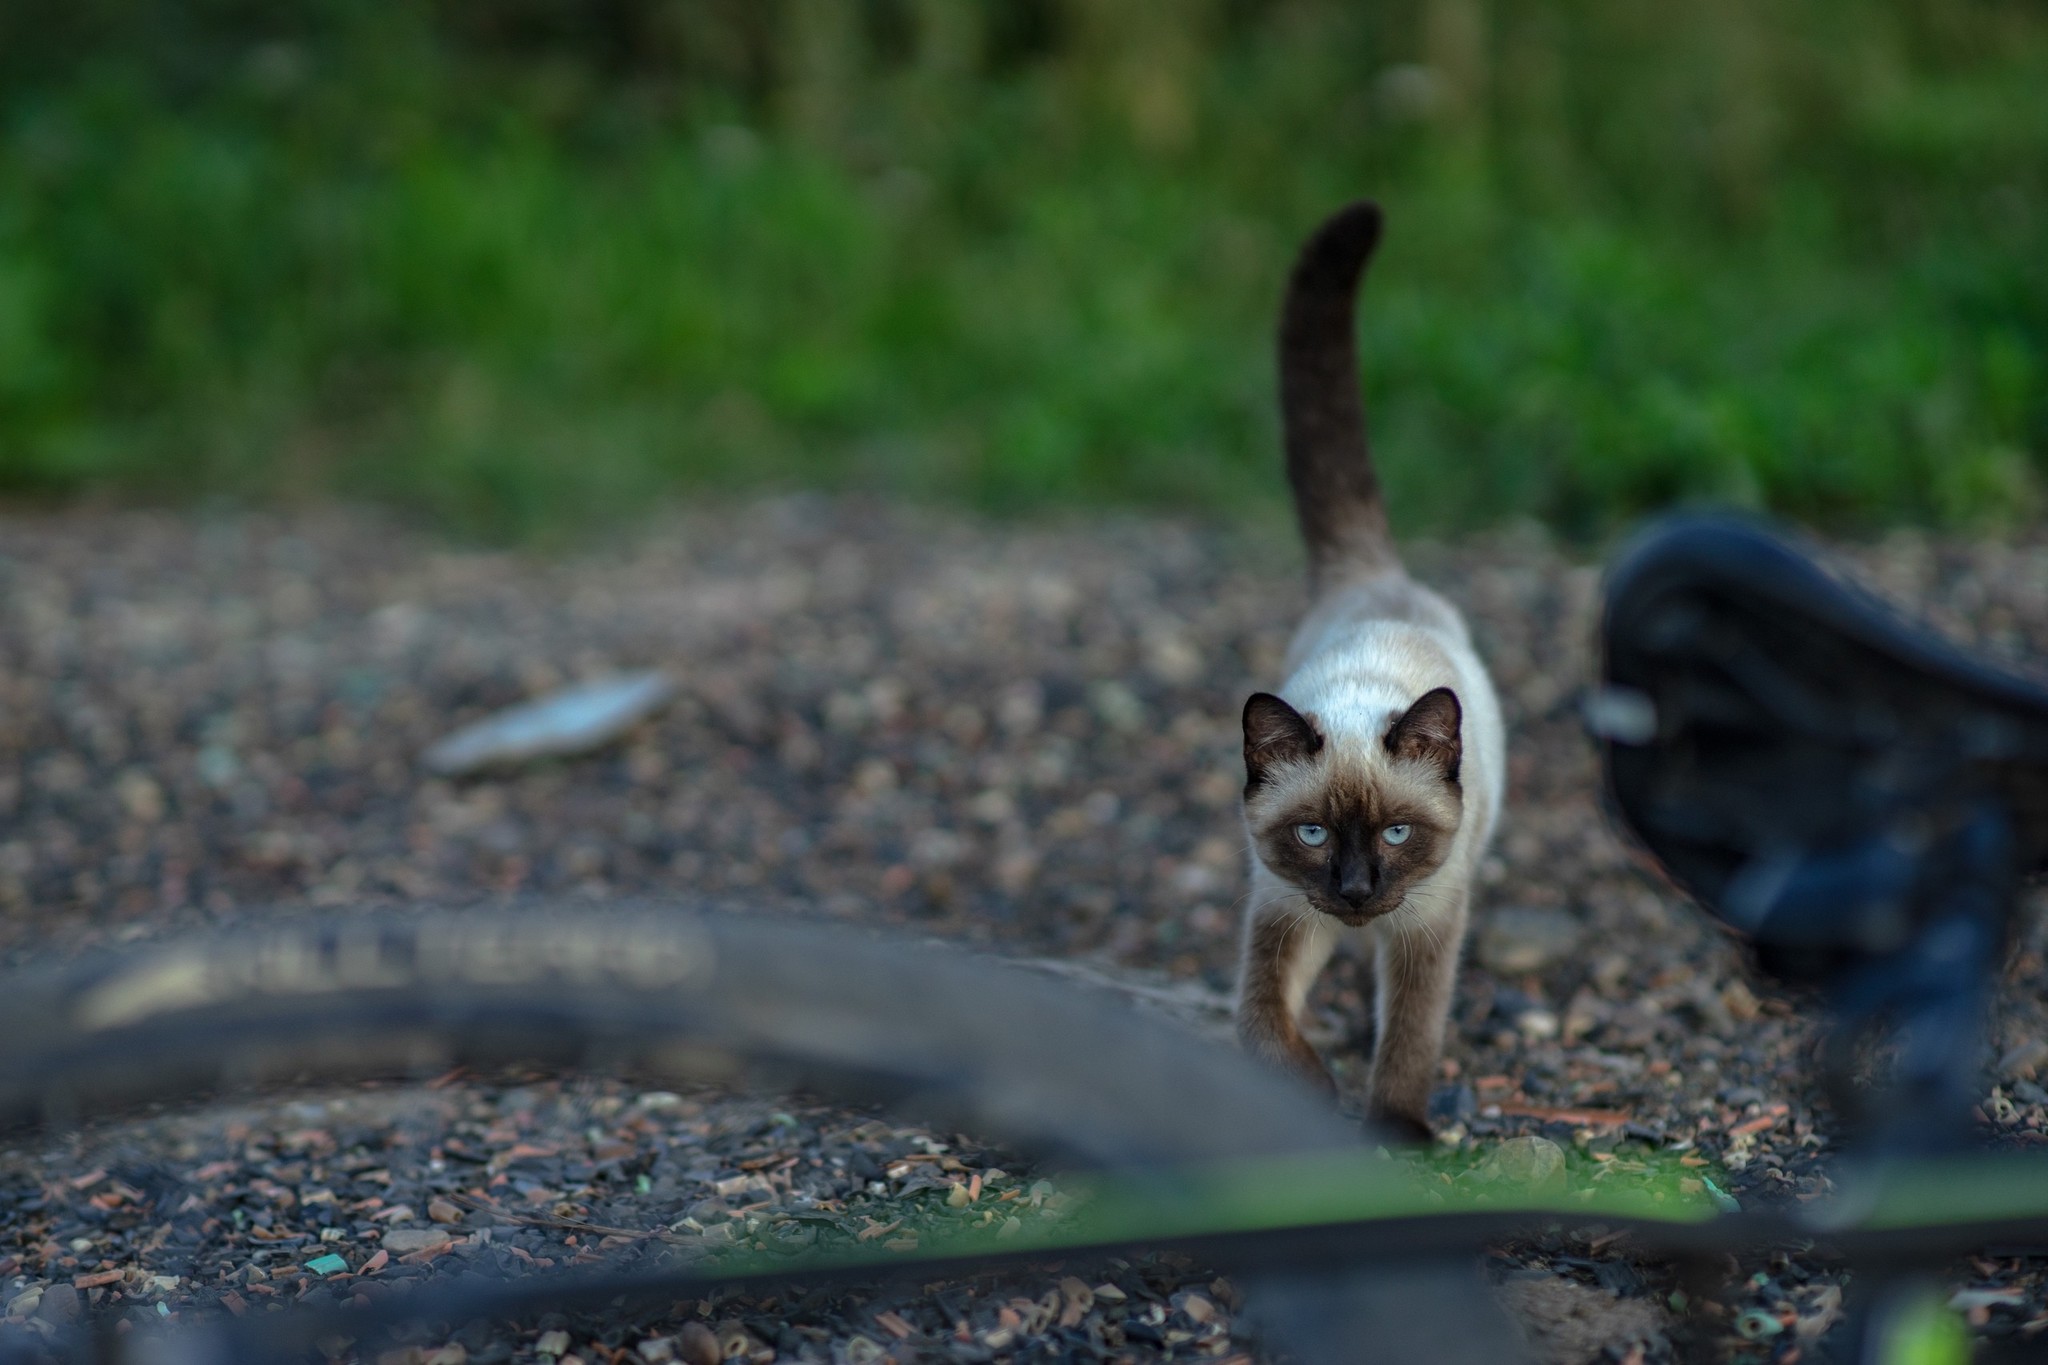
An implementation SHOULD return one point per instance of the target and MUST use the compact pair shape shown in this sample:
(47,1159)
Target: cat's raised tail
(1322,417)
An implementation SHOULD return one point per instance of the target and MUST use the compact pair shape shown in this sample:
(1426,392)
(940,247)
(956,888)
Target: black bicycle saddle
(1815,769)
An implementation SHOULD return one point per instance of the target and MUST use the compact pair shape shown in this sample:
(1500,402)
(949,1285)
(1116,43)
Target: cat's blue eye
(1315,836)
(1395,834)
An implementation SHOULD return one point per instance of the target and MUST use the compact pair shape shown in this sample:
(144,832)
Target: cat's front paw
(1406,1129)
(1318,1076)
(1291,1053)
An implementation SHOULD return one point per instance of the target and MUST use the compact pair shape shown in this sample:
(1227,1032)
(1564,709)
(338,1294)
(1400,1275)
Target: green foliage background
(525,265)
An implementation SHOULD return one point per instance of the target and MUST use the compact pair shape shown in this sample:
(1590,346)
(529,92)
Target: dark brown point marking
(1329,464)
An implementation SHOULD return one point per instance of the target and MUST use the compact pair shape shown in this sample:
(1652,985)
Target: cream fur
(1374,644)
(1368,648)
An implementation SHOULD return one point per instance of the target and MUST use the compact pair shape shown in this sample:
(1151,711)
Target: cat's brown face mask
(1356,834)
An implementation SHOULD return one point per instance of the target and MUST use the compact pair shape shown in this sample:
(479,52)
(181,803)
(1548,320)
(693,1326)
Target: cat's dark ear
(1429,731)
(1274,733)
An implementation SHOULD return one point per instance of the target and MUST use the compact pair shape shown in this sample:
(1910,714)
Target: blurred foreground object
(1855,795)
(1797,754)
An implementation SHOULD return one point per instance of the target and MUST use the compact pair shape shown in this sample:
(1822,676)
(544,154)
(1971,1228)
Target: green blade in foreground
(1327,1191)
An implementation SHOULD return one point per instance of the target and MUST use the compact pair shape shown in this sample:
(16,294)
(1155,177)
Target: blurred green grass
(530,266)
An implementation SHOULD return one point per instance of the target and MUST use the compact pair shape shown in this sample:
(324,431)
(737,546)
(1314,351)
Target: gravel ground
(1018,737)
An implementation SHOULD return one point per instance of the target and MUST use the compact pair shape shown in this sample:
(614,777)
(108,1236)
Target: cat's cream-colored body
(1374,777)
(1366,650)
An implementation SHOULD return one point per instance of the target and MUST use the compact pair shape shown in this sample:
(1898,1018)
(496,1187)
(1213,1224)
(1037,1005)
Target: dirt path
(1024,738)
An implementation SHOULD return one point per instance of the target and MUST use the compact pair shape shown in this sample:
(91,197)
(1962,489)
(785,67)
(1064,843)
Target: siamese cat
(1373,775)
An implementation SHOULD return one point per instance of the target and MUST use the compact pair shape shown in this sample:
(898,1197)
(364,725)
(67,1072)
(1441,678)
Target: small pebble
(696,1344)
(1531,1163)
(2024,1059)
(1517,940)
(59,1305)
